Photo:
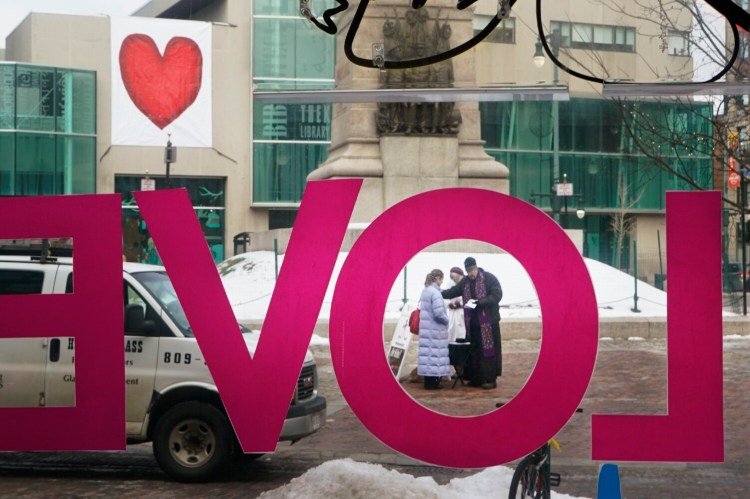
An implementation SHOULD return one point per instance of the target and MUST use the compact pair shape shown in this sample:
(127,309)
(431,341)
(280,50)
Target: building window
(595,36)
(207,197)
(505,32)
(48,116)
(289,141)
(678,42)
(280,169)
(743,134)
(53,99)
(290,54)
(281,219)
(744,52)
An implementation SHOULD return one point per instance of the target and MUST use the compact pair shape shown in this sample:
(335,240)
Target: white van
(171,399)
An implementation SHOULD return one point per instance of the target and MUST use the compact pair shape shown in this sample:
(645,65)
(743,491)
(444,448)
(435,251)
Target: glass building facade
(289,140)
(47,130)
(612,152)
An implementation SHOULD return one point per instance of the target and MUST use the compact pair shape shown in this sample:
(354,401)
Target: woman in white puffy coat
(433,362)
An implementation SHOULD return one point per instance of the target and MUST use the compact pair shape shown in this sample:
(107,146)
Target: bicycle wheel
(529,480)
(523,477)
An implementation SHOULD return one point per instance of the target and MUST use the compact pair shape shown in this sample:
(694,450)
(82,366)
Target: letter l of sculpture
(692,430)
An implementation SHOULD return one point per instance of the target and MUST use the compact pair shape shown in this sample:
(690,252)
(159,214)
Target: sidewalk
(629,379)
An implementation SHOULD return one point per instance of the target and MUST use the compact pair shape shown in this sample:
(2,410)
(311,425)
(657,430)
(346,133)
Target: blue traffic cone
(609,482)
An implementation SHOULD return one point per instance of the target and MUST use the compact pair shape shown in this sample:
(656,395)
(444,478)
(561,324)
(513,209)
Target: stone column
(398,165)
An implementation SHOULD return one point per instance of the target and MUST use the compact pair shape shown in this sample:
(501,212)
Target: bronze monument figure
(413,40)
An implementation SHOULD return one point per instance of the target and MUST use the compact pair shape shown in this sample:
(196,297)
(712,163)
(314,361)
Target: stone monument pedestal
(411,165)
(404,149)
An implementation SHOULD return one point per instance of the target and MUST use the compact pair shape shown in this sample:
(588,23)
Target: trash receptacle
(659,280)
(241,241)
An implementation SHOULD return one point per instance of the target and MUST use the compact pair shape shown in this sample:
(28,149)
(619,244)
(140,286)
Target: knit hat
(469,264)
(457,270)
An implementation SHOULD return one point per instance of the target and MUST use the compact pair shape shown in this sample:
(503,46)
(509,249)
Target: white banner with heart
(161,82)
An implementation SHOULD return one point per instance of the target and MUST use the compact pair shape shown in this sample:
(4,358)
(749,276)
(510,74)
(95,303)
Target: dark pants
(481,369)
(431,381)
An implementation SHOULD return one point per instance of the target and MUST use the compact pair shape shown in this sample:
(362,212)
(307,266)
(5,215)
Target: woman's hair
(433,276)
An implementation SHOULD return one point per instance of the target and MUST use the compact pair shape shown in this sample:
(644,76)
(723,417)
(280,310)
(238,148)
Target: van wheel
(193,442)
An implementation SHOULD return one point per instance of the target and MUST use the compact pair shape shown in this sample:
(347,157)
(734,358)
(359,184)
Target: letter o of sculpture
(569,328)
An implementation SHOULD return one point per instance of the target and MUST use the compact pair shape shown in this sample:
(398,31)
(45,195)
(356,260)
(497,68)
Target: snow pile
(249,280)
(735,341)
(345,479)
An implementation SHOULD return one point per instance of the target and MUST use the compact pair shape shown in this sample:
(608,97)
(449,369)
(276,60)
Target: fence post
(404,299)
(635,277)
(276,258)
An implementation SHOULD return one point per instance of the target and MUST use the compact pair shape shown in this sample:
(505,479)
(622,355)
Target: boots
(432,383)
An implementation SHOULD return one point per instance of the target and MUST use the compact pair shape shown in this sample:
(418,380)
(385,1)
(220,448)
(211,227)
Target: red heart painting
(161,87)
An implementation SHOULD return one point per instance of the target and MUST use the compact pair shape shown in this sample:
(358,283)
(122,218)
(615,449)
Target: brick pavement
(629,379)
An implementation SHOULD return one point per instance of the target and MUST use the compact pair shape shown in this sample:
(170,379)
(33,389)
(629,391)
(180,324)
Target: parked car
(171,399)
(733,277)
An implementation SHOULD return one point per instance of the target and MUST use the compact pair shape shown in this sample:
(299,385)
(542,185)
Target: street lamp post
(744,163)
(564,190)
(539,61)
(554,45)
(170,156)
(558,199)
(743,236)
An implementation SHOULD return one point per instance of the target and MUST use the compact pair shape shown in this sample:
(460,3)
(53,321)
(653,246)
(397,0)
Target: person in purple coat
(481,294)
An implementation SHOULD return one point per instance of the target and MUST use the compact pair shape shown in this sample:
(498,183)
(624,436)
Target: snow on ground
(249,280)
(730,341)
(345,478)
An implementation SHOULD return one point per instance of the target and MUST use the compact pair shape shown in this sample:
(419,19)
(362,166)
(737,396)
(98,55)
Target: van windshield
(160,287)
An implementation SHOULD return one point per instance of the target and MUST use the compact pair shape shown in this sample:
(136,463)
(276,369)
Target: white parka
(433,334)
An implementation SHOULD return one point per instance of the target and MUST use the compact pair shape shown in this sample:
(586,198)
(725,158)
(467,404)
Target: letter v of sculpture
(256,402)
